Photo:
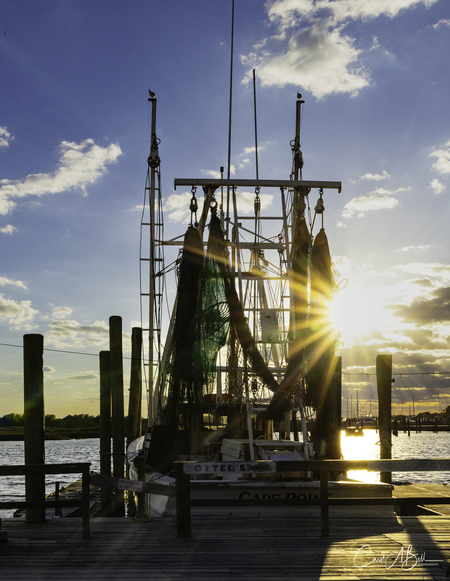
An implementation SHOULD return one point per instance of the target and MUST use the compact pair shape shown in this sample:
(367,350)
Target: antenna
(256,126)
(229,116)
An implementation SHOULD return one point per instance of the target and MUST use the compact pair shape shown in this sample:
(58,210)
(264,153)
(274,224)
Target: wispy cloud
(80,165)
(177,205)
(436,186)
(84,376)
(310,48)
(379,199)
(4,280)
(8,229)
(409,248)
(61,312)
(5,137)
(63,333)
(442,164)
(430,269)
(375,177)
(442,22)
(20,314)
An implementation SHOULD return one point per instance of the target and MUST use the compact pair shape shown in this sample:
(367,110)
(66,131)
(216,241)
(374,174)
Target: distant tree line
(51,421)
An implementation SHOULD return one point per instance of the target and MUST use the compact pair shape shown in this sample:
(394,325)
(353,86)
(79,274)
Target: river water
(421,445)
(56,452)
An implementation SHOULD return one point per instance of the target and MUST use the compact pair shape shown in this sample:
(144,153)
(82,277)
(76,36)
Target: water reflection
(417,445)
(366,447)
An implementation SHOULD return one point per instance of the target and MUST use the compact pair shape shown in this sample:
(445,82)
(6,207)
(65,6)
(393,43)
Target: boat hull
(264,490)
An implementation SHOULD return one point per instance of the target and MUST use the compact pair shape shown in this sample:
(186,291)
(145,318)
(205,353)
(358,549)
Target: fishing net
(209,329)
(182,390)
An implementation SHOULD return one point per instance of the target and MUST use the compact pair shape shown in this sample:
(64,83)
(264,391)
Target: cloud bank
(310,47)
(80,165)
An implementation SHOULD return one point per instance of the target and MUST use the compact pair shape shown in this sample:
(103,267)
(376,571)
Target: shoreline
(15,434)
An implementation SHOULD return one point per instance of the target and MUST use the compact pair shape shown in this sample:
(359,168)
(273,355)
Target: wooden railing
(184,470)
(42,469)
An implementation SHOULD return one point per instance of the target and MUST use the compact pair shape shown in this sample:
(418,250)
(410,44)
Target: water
(56,452)
(423,445)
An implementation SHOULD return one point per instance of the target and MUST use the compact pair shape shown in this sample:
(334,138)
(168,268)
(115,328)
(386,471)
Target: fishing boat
(244,368)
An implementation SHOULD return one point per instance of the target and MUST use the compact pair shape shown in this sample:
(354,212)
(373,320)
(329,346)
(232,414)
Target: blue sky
(74,139)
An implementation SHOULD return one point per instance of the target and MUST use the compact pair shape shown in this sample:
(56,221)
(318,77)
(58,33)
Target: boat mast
(153,161)
(299,197)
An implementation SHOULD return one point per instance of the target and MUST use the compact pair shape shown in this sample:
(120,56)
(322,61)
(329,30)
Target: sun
(356,313)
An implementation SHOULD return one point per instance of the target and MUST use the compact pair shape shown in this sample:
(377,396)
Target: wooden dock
(248,548)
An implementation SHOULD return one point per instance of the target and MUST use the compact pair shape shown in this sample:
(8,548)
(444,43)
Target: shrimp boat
(247,370)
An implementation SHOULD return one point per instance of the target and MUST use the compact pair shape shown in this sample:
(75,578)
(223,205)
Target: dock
(246,548)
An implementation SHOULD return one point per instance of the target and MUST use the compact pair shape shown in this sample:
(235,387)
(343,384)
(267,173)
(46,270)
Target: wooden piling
(328,409)
(34,417)
(105,429)
(134,402)
(336,409)
(384,389)
(117,406)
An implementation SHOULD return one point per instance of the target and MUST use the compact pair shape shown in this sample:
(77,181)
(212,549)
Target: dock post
(336,408)
(85,517)
(384,389)
(183,498)
(134,401)
(117,405)
(34,435)
(105,430)
(324,514)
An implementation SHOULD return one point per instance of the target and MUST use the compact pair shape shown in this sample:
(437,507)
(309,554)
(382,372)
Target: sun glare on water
(361,448)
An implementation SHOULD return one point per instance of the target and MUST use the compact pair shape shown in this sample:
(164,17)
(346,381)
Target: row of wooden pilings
(112,421)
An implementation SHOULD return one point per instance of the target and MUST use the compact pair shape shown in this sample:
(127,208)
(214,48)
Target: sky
(74,140)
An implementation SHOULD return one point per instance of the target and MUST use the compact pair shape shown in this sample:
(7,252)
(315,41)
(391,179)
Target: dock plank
(223,548)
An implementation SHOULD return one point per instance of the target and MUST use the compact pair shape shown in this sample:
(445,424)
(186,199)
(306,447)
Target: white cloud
(421,247)
(20,315)
(83,376)
(355,9)
(315,52)
(61,312)
(215,174)
(246,201)
(430,269)
(343,264)
(316,58)
(436,186)
(442,165)
(379,199)
(69,332)
(375,177)
(364,204)
(5,280)
(5,137)
(8,229)
(442,22)
(80,165)
(177,205)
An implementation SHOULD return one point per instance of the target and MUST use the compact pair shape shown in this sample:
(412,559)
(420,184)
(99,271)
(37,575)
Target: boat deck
(246,548)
